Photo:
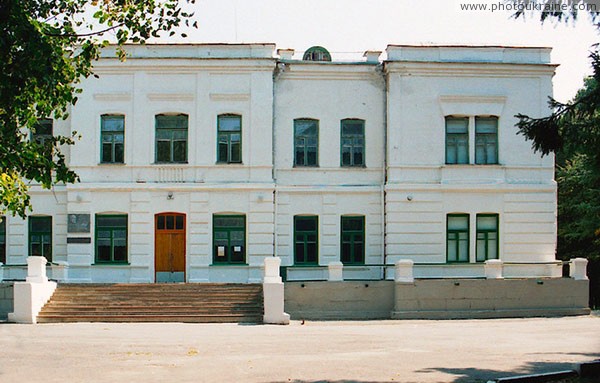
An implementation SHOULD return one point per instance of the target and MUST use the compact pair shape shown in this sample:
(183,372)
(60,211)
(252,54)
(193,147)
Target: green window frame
(306,142)
(43,131)
(457,238)
(40,236)
(486,140)
(2,239)
(171,138)
(457,140)
(112,139)
(229,138)
(352,142)
(352,240)
(306,240)
(487,246)
(229,239)
(111,238)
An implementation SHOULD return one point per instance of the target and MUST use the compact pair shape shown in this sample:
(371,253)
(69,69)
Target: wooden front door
(169,247)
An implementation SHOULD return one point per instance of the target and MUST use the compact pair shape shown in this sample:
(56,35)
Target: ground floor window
(229,239)
(40,237)
(353,240)
(457,243)
(487,237)
(306,240)
(111,238)
(2,239)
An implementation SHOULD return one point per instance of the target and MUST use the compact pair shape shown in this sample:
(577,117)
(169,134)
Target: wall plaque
(78,223)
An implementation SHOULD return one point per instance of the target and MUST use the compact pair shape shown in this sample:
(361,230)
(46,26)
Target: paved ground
(372,351)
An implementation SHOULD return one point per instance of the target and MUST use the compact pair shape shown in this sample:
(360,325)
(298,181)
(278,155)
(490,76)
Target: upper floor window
(306,242)
(229,140)
(306,142)
(42,132)
(353,240)
(457,238)
(316,53)
(457,140)
(112,131)
(229,239)
(486,140)
(171,138)
(111,238)
(353,142)
(40,237)
(2,239)
(487,237)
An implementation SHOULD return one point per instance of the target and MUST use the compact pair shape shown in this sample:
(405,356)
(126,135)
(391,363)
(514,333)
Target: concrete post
(30,296)
(493,269)
(273,293)
(404,271)
(577,269)
(60,271)
(336,271)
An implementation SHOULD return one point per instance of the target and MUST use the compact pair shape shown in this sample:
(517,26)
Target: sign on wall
(78,223)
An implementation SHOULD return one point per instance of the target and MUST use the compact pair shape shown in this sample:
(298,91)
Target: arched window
(171,138)
(316,53)
(112,132)
(229,140)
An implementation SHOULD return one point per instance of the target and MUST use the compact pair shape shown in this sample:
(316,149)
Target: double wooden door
(169,247)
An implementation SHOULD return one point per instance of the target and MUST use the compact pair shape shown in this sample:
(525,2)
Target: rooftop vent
(316,53)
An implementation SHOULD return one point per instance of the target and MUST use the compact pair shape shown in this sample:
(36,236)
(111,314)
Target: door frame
(166,213)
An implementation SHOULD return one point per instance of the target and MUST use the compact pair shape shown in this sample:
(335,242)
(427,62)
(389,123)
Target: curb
(583,370)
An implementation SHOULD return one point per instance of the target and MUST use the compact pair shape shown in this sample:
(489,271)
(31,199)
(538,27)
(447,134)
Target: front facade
(199,161)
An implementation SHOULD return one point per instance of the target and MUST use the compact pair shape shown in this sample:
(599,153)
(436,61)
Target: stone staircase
(189,302)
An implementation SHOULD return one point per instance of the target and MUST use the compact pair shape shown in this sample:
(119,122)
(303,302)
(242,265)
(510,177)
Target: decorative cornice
(171,96)
(112,96)
(229,96)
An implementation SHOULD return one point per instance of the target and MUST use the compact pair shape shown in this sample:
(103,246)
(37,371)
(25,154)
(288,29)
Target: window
(353,142)
(111,238)
(40,237)
(2,239)
(42,131)
(316,53)
(229,239)
(457,245)
(229,139)
(487,237)
(306,142)
(486,140)
(113,139)
(306,240)
(353,240)
(457,140)
(171,138)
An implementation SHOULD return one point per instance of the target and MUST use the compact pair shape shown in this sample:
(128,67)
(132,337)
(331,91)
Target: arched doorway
(169,247)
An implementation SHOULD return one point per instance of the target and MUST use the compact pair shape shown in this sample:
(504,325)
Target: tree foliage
(46,48)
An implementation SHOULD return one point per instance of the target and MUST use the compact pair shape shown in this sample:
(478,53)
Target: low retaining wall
(437,299)
(6,299)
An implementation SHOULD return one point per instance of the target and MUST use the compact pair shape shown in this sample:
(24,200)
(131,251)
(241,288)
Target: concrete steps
(196,303)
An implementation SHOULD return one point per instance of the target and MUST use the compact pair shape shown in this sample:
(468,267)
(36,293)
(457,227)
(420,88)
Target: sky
(347,28)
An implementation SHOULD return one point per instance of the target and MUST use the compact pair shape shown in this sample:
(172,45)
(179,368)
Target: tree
(46,48)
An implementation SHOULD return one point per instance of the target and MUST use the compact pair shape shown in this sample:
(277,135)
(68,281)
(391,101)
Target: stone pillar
(336,271)
(493,269)
(30,296)
(273,293)
(60,271)
(577,269)
(36,270)
(404,271)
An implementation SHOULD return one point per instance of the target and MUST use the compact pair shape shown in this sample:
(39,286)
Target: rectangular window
(42,131)
(2,239)
(112,137)
(229,239)
(457,243)
(486,140)
(353,240)
(171,138)
(306,142)
(40,237)
(487,237)
(229,139)
(111,238)
(353,142)
(457,140)
(306,241)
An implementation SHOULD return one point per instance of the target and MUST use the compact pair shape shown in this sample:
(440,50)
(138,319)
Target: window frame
(305,146)
(112,229)
(113,143)
(353,145)
(228,134)
(457,231)
(483,137)
(228,254)
(305,242)
(31,233)
(486,232)
(454,135)
(352,233)
(42,138)
(171,139)
(3,239)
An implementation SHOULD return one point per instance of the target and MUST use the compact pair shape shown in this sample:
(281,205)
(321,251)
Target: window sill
(170,163)
(111,264)
(228,264)
(111,164)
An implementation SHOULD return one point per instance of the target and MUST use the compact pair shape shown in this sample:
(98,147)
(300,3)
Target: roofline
(463,46)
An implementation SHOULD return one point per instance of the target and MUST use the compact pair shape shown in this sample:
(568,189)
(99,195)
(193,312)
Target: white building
(198,161)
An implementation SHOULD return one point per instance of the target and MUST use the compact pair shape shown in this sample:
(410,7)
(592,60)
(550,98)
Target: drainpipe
(381,69)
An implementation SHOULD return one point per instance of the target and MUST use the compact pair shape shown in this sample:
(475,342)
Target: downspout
(384,167)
